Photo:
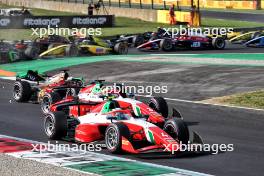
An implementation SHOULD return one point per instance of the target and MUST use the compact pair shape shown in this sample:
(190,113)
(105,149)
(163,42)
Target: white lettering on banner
(4,22)
(87,21)
(41,22)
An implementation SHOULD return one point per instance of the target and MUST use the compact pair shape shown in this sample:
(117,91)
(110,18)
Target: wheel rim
(45,105)
(111,138)
(49,125)
(169,128)
(167,46)
(17,92)
(71,92)
(220,44)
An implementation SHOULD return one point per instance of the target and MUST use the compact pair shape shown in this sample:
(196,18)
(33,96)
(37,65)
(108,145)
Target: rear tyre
(166,45)
(177,129)
(31,52)
(218,43)
(138,40)
(160,105)
(121,48)
(55,125)
(113,136)
(71,50)
(22,91)
(47,100)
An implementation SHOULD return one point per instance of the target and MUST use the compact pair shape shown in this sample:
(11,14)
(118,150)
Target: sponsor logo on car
(99,50)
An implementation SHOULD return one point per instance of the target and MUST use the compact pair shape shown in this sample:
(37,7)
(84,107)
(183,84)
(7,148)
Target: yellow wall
(230,4)
(163,16)
(204,3)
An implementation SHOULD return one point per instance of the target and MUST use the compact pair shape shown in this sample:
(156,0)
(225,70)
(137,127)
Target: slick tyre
(31,52)
(71,51)
(138,40)
(55,125)
(47,100)
(160,105)
(166,45)
(113,136)
(218,43)
(22,91)
(121,48)
(177,129)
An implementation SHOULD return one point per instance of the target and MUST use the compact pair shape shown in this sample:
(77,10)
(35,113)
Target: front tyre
(22,91)
(47,100)
(113,136)
(177,129)
(218,43)
(55,125)
(166,44)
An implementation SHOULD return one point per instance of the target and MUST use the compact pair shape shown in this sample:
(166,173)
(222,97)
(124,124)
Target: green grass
(130,26)
(251,99)
(212,22)
(251,11)
(123,25)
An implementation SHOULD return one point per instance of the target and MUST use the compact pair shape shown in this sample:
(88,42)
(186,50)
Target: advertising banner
(25,22)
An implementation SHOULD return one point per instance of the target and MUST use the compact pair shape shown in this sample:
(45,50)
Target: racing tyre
(71,51)
(22,91)
(121,48)
(31,52)
(138,40)
(55,125)
(160,105)
(47,100)
(218,43)
(113,136)
(177,129)
(166,45)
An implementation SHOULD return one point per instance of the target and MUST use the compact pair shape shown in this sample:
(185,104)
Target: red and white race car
(125,125)
(95,93)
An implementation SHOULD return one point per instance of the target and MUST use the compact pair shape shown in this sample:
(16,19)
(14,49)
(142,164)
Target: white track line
(115,157)
(204,103)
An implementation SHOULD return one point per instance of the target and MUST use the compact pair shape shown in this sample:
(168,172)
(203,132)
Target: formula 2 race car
(120,124)
(257,42)
(184,42)
(12,52)
(33,86)
(95,93)
(87,46)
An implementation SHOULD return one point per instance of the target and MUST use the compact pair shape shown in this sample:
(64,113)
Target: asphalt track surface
(216,125)
(230,48)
